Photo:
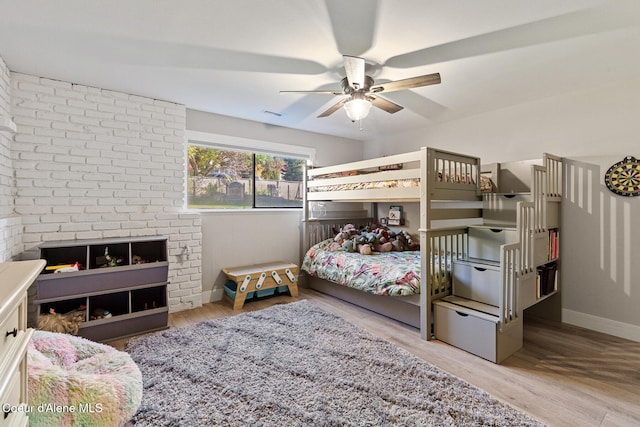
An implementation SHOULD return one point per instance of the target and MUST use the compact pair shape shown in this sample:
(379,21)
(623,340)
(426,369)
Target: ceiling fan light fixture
(357,108)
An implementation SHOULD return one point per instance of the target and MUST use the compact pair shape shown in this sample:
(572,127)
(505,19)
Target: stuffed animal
(67,323)
(365,249)
(373,238)
(347,232)
(100,313)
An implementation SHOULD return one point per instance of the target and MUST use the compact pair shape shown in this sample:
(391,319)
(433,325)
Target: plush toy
(373,238)
(349,245)
(347,232)
(100,313)
(383,247)
(67,323)
(365,249)
(411,245)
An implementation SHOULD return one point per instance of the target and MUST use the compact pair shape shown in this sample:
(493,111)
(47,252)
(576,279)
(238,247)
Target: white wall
(600,244)
(91,163)
(234,238)
(231,239)
(601,123)
(10,223)
(330,150)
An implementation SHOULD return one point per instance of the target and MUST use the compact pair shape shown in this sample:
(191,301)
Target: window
(220,176)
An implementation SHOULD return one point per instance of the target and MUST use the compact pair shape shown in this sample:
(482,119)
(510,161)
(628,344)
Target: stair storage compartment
(477,280)
(501,209)
(483,315)
(476,331)
(121,286)
(485,241)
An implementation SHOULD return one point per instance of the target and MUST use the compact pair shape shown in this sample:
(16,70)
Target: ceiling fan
(361,93)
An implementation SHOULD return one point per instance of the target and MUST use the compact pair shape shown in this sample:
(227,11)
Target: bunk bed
(447,187)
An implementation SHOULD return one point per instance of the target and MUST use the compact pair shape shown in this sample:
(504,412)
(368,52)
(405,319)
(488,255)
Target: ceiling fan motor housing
(348,90)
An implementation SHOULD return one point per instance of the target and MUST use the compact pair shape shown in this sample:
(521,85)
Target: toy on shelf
(111,261)
(100,313)
(67,323)
(63,268)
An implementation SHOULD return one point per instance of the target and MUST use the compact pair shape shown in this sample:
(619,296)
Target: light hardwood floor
(563,375)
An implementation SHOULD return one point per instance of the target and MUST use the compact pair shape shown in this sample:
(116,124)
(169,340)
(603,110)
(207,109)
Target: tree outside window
(230,179)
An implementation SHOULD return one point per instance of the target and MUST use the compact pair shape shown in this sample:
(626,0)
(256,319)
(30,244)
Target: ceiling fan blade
(320,92)
(353,23)
(426,80)
(334,108)
(569,25)
(354,67)
(386,105)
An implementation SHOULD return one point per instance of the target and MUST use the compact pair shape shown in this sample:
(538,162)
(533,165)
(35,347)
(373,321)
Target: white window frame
(205,139)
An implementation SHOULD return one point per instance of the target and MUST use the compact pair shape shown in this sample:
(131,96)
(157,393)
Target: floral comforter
(388,273)
(367,185)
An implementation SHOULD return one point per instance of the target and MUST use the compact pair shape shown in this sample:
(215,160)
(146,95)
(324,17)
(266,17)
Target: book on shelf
(554,244)
(546,279)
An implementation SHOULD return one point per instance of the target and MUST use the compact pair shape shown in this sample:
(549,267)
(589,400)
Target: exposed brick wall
(10,224)
(92,163)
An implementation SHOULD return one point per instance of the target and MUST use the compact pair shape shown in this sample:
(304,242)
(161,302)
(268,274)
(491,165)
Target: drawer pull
(14,332)
(479,268)
(496,230)
(459,313)
(509,196)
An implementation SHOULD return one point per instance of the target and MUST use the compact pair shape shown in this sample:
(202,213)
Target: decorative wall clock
(623,178)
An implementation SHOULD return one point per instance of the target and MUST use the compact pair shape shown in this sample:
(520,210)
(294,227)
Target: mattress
(396,183)
(381,273)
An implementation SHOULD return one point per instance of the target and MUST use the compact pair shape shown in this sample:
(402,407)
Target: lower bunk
(401,284)
(405,309)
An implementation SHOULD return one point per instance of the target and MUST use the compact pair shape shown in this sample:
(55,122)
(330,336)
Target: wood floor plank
(564,375)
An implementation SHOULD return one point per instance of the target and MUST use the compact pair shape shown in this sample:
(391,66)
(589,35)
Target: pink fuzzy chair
(76,382)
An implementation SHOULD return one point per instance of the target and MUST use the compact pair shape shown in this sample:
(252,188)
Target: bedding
(392,183)
(381,273)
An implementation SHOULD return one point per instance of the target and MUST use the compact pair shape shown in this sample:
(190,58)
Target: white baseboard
(601,324)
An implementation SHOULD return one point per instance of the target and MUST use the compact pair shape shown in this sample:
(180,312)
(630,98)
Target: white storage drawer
(541,248)
(485,242)
(467,329)
(477,281)
(16,415)
(476,332)
(9,331)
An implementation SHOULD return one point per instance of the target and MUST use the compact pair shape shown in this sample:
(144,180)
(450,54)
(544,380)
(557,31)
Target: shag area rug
(297,365)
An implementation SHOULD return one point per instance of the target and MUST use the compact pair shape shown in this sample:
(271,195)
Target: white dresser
(15,279)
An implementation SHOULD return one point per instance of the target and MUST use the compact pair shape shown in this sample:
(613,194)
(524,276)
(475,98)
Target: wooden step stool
(262,277)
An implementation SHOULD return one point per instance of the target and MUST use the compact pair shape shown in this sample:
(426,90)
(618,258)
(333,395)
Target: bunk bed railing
(509,270)
(444,245)
(318,229)
(525,224)
(381,162)
(553,165)
(539,196)
(439,249)
(451,171)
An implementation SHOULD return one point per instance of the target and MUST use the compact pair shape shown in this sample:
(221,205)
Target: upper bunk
(430,173)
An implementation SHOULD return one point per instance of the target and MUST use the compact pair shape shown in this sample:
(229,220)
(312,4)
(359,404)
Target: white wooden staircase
(506,258)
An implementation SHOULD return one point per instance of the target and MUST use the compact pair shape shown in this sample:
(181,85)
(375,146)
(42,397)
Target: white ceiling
(233,57)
